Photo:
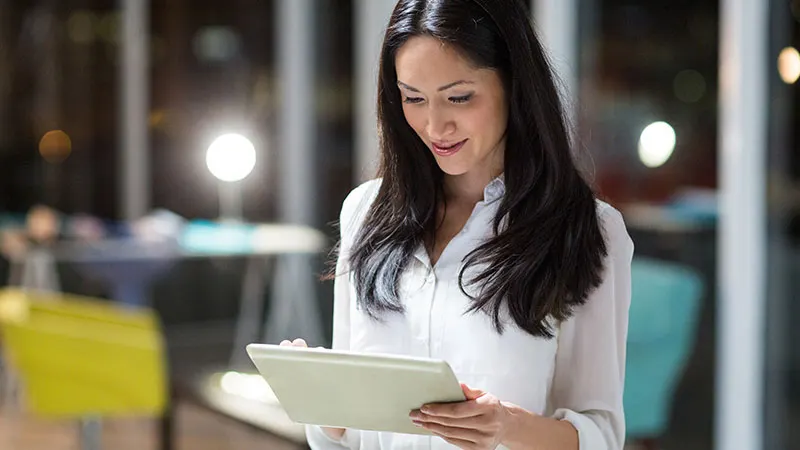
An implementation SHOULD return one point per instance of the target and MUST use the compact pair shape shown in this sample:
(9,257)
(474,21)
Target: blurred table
(130,264)
(245,398)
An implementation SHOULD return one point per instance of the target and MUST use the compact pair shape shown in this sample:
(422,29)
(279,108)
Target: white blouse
(577,376)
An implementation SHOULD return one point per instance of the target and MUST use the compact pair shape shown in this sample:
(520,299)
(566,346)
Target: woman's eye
(461,99)
(412,100)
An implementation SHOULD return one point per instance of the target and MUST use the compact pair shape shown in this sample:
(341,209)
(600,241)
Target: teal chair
(664,312)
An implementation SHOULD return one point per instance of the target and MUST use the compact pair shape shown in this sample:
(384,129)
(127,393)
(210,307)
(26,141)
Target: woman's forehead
(424,62)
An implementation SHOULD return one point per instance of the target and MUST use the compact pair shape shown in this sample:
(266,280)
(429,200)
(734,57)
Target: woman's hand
(480,422)
(299,342)
(334,433)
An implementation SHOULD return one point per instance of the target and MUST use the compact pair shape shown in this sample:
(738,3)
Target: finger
(286,342)
(457,410)
(464,434)
(472,423)
(470,393)
(299,342)
(464,445)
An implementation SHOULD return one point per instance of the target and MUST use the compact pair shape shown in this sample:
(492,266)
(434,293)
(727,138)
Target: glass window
(58,105)
(648,118)
(782,377)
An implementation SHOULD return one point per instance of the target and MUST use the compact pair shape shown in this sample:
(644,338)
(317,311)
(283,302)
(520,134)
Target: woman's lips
(447,149)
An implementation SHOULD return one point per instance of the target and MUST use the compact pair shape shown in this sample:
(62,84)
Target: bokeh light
(231,157)
(55,146)
(689,86)
(789,65)
(656,144)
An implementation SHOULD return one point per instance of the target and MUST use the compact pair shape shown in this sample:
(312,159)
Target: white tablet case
(352,390)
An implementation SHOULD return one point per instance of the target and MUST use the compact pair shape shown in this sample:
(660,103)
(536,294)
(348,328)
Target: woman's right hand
(333,433)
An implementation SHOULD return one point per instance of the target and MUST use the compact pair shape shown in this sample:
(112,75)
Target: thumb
(470,393)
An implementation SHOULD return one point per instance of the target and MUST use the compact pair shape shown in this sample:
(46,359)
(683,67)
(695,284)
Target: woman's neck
(466,188)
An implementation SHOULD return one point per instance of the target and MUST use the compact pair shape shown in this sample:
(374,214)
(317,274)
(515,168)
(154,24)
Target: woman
(481,244)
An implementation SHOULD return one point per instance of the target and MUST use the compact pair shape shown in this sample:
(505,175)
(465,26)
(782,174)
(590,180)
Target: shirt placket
(429,293)
(442,281)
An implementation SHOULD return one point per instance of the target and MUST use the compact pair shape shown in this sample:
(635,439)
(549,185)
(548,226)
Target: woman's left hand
(480,422)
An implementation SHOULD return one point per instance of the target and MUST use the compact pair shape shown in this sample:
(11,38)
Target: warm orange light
(55,146)
(789,65)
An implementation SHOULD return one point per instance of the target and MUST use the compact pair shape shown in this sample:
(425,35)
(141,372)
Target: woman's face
(459,112)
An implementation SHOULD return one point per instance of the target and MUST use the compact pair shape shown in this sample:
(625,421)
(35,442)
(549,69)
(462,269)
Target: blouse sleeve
(351,215)
(590,362)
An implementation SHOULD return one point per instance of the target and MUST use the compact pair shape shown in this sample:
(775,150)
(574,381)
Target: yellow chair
(79,358)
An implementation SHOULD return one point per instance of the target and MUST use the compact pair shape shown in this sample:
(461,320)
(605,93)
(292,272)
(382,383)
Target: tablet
(354,390)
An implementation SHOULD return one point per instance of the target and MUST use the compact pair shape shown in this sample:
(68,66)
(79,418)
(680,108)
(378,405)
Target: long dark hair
(546,254)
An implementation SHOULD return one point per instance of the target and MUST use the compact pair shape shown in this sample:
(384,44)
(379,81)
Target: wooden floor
(196,429)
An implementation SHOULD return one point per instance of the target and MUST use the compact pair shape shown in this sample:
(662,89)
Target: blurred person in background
(481,243)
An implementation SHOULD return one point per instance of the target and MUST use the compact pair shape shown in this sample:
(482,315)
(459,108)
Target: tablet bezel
(416,380)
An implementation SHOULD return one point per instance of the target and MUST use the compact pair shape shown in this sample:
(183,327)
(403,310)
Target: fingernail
(418,424)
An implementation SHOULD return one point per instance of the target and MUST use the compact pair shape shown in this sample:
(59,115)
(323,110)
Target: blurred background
(171,172)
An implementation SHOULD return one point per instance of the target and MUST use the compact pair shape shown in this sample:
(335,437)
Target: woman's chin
(452,172)
(452,168)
